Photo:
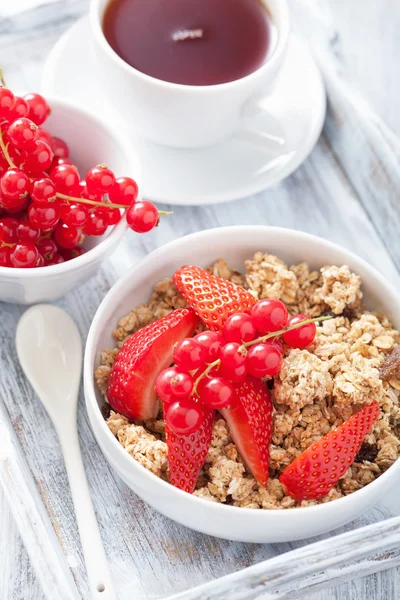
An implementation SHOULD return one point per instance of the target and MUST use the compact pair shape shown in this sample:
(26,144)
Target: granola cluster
(353,360)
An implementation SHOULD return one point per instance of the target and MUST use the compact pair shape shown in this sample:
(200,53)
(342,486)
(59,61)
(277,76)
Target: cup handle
(271,135)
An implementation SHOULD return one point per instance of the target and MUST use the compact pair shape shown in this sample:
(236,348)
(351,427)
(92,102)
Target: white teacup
(184,115)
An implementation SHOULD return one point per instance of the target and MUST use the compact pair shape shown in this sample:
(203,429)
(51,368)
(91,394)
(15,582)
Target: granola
(353,360)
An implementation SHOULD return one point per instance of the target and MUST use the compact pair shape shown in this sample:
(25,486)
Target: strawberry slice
(187,453)
(314,472)
(249,418)
(214,299)
(131,387)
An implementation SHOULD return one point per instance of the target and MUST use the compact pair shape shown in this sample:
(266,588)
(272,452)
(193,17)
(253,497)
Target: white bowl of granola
(317,389)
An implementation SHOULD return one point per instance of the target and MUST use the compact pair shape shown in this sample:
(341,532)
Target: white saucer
(234,168)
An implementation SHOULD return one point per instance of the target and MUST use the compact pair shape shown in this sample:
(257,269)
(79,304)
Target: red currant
(43,191)
(56,260)
(43,217)
(24,256)
(113,216)
(95,225)
(8,230)
(60,161)
(22,134)
(212,342)
(20,109)
(5,260)
(47,248)
(189,354)
(12,205)
(125,191)
(70,253)
(239,328)
(264,359)
(172,385)
(60,148)
(39,159)
(39,110)
(66,237)
(14,184)
(40,261)
(269,315)
(233,362)
(302,336)
(100,180)
(6,102)
(27,233)
(184,417)
(44,136)
(142,216)
(74,215)
(216,392)
(66,178)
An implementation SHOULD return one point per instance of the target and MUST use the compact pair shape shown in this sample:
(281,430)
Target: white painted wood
(333,195)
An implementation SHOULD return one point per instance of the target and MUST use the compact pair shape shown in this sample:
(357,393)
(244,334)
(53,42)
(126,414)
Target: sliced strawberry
(214,299)
(131,387)
(249,418)
(187,453)
(316,470)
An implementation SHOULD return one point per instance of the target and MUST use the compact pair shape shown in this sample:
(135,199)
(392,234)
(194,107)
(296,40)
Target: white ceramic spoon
(50,352)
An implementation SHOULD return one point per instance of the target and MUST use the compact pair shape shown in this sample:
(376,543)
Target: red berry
(216,392)
(269,315)
(60,161)
(239,328)
(22,134)
(95,225)
(40,261)
(5,260)
(83,192)
(125,191)
(6,102)
(8,230)
(184,417)
(24,256)
(189,354)
(56,260)
(113,216)
(74,215)
(60,148)
(40,158)
(43,217)
(70,253)
(27,233)
(142,216)
(212,342)
(302,336)
(47,248)
(15,184)
(43,191)
(44,136)
(66,178)
(100,180)
(264,359)
(66,237)
(13,205)
(38,108)
(19,110)
(172,384)
(233,362)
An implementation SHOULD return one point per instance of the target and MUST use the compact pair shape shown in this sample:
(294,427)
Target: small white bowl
(235,244)
(91,142)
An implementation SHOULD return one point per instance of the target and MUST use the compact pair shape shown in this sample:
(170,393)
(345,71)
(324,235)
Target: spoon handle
(99,576)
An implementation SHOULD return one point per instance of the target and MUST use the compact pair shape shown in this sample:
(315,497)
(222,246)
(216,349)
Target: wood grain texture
(329,195)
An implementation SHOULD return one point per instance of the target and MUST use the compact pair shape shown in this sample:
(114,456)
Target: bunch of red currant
(45,207)
(208,365)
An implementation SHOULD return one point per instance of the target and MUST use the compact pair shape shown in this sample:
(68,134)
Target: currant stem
(103,204)
(3,148)
(273,334)
(205,373)
(2,80)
